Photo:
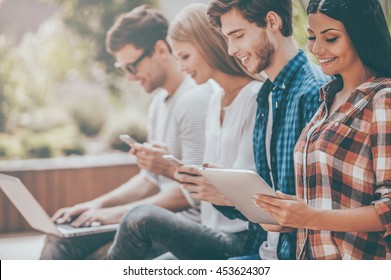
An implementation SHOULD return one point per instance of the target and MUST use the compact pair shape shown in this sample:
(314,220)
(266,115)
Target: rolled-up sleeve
(380,137)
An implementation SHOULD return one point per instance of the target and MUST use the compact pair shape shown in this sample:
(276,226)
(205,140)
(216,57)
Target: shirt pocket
(338,139)
(332,136)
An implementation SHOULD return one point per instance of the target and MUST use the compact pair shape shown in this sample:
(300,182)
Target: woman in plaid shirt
(343,156)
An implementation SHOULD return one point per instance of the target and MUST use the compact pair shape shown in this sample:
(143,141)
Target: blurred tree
(387,10)
(3,120)
(58,81)
(92,18)
(300,22)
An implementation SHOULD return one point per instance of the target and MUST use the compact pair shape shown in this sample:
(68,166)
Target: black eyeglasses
(132,67)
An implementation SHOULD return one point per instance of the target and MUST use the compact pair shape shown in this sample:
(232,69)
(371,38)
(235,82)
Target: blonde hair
(192,25)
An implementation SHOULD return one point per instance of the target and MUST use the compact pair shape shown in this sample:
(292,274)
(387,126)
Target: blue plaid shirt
(295,99)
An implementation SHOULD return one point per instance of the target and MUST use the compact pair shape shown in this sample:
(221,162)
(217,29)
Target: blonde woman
(201,52)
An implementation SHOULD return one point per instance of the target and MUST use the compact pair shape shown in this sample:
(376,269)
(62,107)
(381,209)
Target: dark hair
(366,26)
(254,11)
(141,27)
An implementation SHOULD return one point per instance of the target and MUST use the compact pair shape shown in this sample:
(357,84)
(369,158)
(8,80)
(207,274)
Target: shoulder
(197,94)
(310,79)
(381,88)
(252,88)
(158,99)
(249,93)
(193,103)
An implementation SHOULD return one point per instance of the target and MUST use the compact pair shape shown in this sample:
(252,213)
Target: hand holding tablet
(239,186)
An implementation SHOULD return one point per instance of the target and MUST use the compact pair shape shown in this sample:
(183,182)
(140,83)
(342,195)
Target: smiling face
(329,42)
(192,61)
(247,41)
(150,72)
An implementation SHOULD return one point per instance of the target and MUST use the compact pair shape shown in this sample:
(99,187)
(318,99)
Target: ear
(162,48)
(273,21)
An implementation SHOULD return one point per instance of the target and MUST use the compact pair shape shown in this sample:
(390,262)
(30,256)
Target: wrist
(316,220)
(170,171)
(97,203)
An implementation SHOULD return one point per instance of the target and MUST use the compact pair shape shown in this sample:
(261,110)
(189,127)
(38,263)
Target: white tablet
(239,187)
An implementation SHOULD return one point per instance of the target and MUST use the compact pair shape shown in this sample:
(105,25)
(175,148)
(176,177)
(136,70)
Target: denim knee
(141,215)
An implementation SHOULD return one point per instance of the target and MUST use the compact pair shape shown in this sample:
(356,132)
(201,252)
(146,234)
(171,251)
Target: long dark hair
(366,26)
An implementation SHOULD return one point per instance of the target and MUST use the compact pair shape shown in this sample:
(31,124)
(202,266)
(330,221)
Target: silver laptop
(239,187)
(36,216)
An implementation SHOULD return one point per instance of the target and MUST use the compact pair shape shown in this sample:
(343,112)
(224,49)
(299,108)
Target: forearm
(362,219)
(168,171)
(135,189)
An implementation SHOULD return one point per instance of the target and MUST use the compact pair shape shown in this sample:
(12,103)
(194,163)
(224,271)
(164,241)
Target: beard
(264,51)
(156,78)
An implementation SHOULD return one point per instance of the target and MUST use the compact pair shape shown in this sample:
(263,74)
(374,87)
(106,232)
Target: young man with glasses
(176,122)
(131,67)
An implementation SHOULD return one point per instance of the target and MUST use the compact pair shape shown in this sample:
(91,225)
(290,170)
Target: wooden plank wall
(58,188)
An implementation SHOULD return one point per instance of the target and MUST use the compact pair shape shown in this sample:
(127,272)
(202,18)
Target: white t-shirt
(230,145)
(179,122)
(268,249)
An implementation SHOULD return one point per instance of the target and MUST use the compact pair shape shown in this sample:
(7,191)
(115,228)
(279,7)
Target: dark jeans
(149,225)
(75,248)
(246,258)
(92,246)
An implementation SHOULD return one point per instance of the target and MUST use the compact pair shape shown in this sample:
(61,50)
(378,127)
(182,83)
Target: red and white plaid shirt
(343,161)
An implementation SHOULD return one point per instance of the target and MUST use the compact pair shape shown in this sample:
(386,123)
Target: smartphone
(173,160)
(127,139)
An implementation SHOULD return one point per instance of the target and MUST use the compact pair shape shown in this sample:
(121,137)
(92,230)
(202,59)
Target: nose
(183,67)
(232,48)
(316,47)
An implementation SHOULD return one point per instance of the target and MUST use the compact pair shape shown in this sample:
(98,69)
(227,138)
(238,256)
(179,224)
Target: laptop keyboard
(68,226)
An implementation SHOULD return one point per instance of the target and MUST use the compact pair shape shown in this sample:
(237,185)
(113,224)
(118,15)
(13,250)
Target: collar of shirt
(329,90)
(185,85)
(288,72)
(282,80)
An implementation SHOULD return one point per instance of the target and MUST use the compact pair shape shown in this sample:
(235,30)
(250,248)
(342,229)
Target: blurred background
(59,92)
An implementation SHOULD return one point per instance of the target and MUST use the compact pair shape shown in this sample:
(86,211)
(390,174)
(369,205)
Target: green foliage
(91,19)
(125,122)
(300,22)
(3,116)
(88,105)
(60,141)
(56,93)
